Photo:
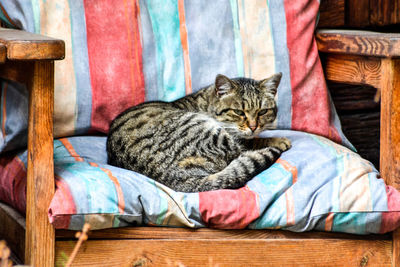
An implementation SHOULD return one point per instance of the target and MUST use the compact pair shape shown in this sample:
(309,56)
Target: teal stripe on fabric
(36,14)
(4,19)
(351,222)
(170,64)
(238,41)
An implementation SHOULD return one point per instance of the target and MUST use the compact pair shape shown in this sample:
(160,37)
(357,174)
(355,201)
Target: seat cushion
(315,185)
(121,53)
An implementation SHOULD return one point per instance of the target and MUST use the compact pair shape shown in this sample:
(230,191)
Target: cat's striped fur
(203,141)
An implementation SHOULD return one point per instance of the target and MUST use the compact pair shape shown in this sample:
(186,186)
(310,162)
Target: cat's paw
(282,143)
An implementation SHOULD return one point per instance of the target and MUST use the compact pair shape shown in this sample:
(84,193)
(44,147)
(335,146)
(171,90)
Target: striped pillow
(121,53)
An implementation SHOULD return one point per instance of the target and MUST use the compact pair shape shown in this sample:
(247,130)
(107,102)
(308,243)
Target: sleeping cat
(203,141)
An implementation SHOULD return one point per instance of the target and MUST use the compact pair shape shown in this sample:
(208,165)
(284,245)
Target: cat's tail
(241,170)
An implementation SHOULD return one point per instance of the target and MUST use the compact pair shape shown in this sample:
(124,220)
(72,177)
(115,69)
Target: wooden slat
(40,238)
(390,122)
(16,71)
(3,53)
(390,134)
(217,252)
(206,233)
(384,12)
(332,14)
(357,13)
(353,69)
(12,229)
(23,45)
(359,43)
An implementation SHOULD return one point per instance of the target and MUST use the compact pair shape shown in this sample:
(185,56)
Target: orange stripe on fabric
(185,46)
(290,217)
(120,194)
(286,165)
(8,17)
(140,88)
(3,126)
(329,222)
(70,149)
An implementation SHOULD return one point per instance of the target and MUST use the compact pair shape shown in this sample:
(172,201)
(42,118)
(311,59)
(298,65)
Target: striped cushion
(316,185)
(121,53)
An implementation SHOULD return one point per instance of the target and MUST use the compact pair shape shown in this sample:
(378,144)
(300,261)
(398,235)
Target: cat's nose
(253,127)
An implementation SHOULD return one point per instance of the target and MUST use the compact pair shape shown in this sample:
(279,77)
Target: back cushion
(121,53)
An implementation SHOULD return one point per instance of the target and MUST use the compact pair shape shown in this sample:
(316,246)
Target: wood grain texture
(217,252)
(16,71)
(390,122)
(23,45)
(3,53)
(359,43)
(12,229)
(332,14)
(357,13)
(40,240)
(206,233)
(353,69)
(384,12)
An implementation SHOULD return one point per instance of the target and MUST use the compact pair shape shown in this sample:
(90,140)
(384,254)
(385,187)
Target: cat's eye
(238,112)
(262,112)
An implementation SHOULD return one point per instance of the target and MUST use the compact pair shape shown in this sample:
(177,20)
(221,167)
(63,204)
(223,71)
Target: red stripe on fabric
(290,216)
(70,149)
(115,59)
(62,206)
(329,222)
(120,194)
(4,117)
(229,209)
(310,101)
(185,46)
(391,219)
(13,183)
(292,169)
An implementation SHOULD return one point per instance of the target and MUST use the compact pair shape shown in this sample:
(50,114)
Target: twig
(82,236)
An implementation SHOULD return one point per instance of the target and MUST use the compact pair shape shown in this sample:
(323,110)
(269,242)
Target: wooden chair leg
(40,236)
(390,133)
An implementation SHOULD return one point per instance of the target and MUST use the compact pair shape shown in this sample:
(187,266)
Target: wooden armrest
(21,45)
(362,43)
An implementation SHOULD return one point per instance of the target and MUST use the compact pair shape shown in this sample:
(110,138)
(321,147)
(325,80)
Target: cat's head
(245,105)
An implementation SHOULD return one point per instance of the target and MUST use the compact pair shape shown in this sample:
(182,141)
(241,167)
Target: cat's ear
(223,85)
(271,84)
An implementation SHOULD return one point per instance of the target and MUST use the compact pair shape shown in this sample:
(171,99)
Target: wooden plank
(216,252)
(12,229)
(16,70)
(396,248)
(357,13)
(332,14)
(40,238)
(384,12)
(359,43)
(353,69)
(3,53)
(390,122)
(23,45)
(207,233)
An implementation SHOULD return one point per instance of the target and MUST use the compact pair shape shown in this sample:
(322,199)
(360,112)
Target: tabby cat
(203,141)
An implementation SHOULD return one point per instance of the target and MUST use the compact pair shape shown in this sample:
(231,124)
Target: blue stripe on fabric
(21,14)
(237,38)
(170,65)
(211,41)
(282,64)
(149,53)
(80,56)
(350,222)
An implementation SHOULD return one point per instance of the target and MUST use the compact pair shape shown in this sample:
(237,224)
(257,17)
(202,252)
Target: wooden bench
(349,56)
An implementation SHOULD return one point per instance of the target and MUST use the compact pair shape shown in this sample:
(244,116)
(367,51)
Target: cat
(203,141)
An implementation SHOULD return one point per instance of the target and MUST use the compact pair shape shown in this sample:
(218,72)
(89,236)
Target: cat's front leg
(282,143)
